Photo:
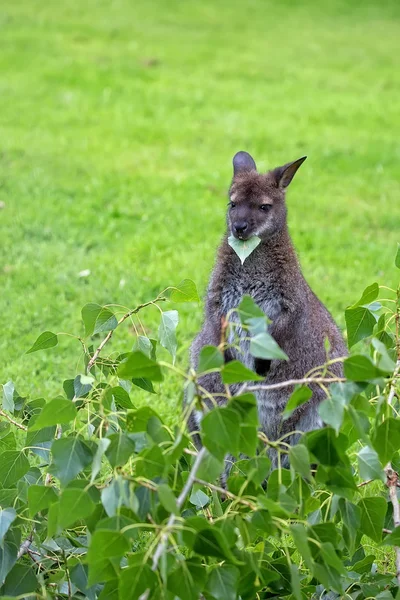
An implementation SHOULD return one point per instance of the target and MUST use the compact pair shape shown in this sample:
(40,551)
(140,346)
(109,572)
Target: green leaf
(397,259)
(373,512)
(7,516)
(13,466)
(223,582)
(139,365)
(144,344)
(369,295)
(40,497)
(144,384)
(74,504)
(235,372)
(360,368)
(300,460)
(243,248)
(331,558)
(167,331)
(185,291)
(295,582)
(106,543)
(369,465)
(7,497)
(327,448)
(351,517)
(167,498)
(298,397)
(393,539)
(386,440)
(135,580)
(79,577)
(151,463)
(120,449)
(300,538)
(331,411)
(8,396)
(249,310)
(360,322)
(21,581)
(7,437)
(257,468)
(70,456)
(96,464)
(55,412)
(210,467)
(8,553)
(44,341)
(246,407)
(264,346)
(82,385)
(119,396)
(199,499)
(137,420)
(39,442)
(97,319)
(383,361)
(187,580)
(105,570)
(219,428)
(210,358)
(341,481)
(212,542)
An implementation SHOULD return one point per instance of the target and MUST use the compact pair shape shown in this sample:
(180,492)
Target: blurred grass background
(118,123)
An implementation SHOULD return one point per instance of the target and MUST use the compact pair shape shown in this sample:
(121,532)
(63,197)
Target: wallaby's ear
(285,174)
(242,161)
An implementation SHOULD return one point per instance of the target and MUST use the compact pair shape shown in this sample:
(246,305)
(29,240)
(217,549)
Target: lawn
(118,123)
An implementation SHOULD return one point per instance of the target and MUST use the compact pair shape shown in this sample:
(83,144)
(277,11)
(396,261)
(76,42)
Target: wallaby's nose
(240,227)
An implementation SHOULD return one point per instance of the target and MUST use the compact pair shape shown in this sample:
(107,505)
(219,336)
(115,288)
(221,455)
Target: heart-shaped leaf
(45,340)
(243,248)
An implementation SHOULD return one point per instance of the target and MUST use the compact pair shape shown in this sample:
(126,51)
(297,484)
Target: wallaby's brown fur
(271,275)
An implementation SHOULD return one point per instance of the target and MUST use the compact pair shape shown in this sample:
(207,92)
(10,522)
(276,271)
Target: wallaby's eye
(232,204)
(265,207)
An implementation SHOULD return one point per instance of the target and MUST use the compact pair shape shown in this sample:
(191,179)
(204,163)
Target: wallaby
(271,275)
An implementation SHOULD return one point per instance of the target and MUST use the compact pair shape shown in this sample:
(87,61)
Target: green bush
(100,499)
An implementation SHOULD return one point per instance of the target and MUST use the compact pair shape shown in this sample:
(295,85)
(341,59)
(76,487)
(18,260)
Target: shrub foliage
(101,499)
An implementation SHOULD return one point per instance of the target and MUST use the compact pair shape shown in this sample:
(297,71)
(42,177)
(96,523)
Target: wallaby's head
(257,200)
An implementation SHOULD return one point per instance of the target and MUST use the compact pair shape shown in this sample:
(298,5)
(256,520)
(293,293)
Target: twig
(11,420)
(47,480)
(386,530)
(226,493)
(290,382)
(391,481)
(67,574)
(25,545)
(393,382)
(179,503)
(365,483)
(122,319)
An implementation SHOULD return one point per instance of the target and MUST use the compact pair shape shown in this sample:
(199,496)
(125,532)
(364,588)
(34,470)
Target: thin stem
(291,382)
(391,482)
(179,503)
(25,545)
(11,420)
(122,319)
(393,383)
(365,483)
(226,493)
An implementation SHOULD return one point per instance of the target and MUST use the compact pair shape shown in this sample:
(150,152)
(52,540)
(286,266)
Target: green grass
(118,122)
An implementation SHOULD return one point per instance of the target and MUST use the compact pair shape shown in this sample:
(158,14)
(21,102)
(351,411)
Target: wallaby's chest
(263,292)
